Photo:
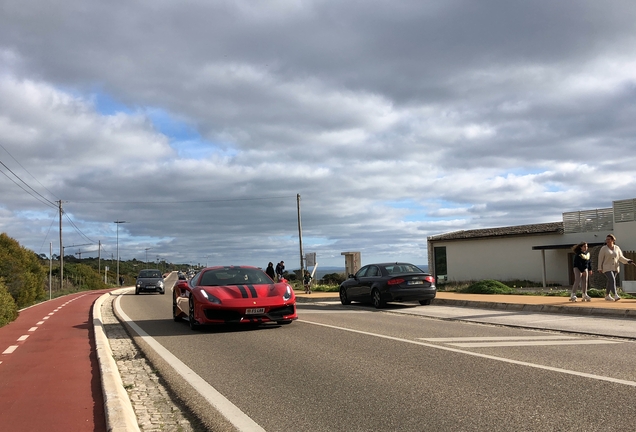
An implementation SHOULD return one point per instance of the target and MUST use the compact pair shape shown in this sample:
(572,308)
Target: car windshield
(402,268)
(234,276)
(149,274)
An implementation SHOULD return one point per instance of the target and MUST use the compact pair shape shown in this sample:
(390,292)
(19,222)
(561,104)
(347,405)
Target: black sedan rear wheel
(425,302)
(378,302)
(194,325)
(343,297)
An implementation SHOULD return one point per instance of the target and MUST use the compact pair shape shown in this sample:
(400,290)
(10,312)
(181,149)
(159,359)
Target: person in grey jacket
(609,258)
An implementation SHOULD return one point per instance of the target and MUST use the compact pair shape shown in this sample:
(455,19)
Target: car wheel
(175,310)
(343,297)
(425,302)
(136,291)
(162,292)
(194,325)
(284,322)
(378,302)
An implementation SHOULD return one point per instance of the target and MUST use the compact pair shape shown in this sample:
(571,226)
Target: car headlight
(210,297)
(288,293)
(160,284)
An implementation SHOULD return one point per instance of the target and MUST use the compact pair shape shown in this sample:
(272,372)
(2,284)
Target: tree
(22,272)
(8,307)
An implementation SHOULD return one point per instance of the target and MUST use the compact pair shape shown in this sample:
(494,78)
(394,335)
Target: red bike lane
(49,373)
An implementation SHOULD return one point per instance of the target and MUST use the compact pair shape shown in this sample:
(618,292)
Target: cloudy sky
(199,122)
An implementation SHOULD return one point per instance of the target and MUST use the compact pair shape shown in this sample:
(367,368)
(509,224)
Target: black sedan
(388,282)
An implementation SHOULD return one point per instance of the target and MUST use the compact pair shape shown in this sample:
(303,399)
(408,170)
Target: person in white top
(609,258)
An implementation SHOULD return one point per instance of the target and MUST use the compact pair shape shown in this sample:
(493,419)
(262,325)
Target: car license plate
(415,282)
(253,311)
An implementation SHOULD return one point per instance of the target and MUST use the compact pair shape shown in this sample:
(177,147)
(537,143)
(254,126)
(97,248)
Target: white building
(539,253)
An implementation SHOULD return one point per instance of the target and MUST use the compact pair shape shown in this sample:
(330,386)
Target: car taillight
(430,279)
(395,281)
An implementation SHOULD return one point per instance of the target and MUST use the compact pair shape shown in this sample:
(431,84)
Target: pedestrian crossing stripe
(511,341)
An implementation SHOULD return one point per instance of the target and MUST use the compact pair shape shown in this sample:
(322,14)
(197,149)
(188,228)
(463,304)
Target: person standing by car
(307,282)
(582,269)
(270,271)
(280,269)
(608,260)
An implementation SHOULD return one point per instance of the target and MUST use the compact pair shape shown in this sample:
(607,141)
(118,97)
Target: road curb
(619,313)
(120,416)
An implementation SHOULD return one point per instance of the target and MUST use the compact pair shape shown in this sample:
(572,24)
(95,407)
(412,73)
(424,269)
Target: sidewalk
(625,308)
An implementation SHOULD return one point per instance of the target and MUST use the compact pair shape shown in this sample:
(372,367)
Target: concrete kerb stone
(120,416)
(537,308)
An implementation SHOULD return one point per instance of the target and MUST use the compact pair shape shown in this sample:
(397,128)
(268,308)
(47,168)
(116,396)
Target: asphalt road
(357,369)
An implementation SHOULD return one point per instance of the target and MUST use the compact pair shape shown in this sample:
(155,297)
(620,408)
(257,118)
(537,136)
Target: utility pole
(300,239)
(61,250)
(50,267)
(118,222)
(99,257)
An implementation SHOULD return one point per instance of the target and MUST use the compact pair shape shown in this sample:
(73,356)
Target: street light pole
(118,222)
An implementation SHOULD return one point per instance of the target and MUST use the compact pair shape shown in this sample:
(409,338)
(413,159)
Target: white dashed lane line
(12,348)
(517,341)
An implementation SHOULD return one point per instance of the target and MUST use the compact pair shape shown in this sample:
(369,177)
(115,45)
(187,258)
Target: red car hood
(248,293)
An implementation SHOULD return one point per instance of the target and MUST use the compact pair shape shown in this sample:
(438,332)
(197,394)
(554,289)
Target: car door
(366,282)
(354,291)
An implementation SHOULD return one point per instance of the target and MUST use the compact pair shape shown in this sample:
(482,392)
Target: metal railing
(588,221)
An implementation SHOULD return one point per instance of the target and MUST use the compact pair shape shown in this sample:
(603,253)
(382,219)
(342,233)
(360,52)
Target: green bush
(8,307)
(23,274)
(488,287)
(333,279)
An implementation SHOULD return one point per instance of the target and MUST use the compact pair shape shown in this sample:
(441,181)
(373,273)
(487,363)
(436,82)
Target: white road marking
(231,412)
(533,343)
(23,338)
(45,318)
(52,313)
(496,338)
(310,311)
(39,323)
(480,355)
(10,349)
(510,341)
(32,329)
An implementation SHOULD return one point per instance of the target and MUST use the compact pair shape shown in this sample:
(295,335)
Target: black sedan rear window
(402,268)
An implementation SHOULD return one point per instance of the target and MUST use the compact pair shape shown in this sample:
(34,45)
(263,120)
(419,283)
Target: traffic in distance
(247,295)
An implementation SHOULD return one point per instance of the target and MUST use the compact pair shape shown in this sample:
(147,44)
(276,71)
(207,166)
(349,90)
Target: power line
(184,202)
(41,198)
(16,161)
(78,230)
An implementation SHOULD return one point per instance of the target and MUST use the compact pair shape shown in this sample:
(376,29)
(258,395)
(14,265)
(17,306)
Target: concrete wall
(625,233)
(508,258)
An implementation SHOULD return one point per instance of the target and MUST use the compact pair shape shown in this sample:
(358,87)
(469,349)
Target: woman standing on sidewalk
(608,259)
(582,268)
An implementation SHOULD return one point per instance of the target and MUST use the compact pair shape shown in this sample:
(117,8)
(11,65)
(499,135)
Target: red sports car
(233,294)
